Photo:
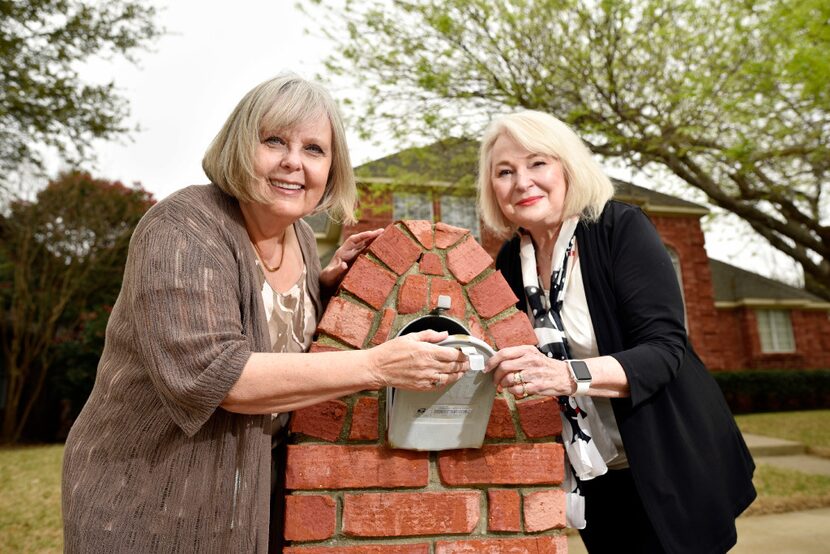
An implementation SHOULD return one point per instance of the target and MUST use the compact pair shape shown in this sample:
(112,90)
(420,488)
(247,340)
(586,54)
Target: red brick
(369,282)
(544,510)
(467,260)
(513,330)
(323,466)
(492,295)
(447,235)
(324,420)
(395,249)
(385,325)
(408,514)
(503,464)
(375,210)
(500,425)
(309,517)
(346,321)
(504,511)
(365,419)
(416,548)
(453,290)
(317,347)
(431,264)
(422,230)
(528,545)
(477,330)
(412,296)
(539,417)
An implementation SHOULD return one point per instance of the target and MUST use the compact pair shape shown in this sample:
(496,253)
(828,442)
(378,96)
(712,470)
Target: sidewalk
(806,532)
(785,454)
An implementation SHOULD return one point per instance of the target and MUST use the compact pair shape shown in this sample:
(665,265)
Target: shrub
(774,390)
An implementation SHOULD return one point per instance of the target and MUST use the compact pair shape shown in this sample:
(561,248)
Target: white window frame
(675,262)
(775,331)
(461,211)
(412,205)
(320,223)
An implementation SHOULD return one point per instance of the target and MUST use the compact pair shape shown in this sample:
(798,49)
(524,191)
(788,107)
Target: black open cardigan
(688,459)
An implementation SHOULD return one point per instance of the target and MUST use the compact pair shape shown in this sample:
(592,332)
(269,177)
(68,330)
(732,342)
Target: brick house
(736,319)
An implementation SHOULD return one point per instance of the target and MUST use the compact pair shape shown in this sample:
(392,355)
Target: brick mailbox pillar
(351,494)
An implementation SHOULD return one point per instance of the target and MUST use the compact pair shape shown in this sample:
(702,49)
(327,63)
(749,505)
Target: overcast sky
(183,90)
(214,52)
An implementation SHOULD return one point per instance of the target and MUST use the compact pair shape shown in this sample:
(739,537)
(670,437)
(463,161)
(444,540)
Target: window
(460,211)
(675,261)
(411,206)
(775,331)
(326,233)
(320,223)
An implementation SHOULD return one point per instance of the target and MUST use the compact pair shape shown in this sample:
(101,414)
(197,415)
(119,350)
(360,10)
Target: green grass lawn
(781,490)
(811,428)
(30,502)
(30,511)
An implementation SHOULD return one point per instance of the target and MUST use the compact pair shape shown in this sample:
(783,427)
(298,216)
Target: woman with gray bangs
(205,352)
(654,460)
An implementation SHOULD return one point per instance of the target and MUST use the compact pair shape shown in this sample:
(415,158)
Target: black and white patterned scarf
(586,454)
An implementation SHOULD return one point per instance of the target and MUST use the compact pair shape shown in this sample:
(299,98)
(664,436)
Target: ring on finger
(517,378)
(436,381)
(524,391)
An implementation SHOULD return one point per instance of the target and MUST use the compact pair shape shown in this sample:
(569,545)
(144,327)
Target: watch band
(582,388)
(581,376)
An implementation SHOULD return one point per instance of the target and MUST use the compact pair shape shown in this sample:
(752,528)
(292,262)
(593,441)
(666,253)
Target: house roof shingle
(454,162)
(733,285)
(447,161)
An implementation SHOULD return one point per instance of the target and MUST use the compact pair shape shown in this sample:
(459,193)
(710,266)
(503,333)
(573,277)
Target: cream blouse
(291,321)
(579,330)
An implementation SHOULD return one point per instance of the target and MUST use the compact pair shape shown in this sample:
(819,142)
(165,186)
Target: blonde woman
(205,350)
(655,462)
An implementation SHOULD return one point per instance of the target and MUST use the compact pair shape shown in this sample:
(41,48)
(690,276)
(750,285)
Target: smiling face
(529,187)
(292,166)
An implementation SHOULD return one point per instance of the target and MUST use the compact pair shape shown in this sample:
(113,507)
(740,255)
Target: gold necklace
(262,258)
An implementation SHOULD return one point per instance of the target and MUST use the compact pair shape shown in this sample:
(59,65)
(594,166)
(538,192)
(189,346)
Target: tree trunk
(814,286)
(12,404)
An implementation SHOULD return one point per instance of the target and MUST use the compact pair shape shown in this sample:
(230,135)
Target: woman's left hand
(333,273)
(524,371)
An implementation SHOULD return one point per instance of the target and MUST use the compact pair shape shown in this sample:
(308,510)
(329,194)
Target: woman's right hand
(414,362)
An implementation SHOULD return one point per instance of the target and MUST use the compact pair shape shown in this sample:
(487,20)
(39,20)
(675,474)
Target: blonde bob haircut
(588,187)
(277,104)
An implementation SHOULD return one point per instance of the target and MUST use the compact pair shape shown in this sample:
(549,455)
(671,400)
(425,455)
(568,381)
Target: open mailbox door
(452,417)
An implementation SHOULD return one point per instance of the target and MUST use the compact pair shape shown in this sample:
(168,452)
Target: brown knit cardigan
(153,464)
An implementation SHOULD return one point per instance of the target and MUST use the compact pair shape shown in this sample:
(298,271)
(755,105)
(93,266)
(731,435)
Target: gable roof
(734,287)
(453,162)
(445,162)
(655,202)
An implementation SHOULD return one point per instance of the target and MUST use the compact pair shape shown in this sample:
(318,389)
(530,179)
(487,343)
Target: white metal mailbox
(454,416)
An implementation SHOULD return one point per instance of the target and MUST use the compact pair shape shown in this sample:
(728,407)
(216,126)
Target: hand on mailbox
(414,362)
(523,371)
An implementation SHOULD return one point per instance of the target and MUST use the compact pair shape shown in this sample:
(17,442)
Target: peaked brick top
(402,274)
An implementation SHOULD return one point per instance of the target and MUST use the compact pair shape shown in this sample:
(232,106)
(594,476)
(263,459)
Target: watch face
(580,370)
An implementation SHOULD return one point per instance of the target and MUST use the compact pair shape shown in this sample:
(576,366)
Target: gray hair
(280,103)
